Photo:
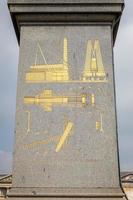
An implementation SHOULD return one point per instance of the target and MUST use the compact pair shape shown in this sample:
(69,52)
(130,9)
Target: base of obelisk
(66,194)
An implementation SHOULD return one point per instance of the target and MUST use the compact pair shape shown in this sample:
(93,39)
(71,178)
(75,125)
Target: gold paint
(64,137)
(40,49)
(28,121)
(93,72)
(99,124)
(84,99)
(40,142)
(92,99)
(47,100)
(49,72)
(94,69)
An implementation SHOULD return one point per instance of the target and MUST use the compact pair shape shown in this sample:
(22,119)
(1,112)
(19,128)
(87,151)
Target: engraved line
(39,142)
(64,136)
(28,121)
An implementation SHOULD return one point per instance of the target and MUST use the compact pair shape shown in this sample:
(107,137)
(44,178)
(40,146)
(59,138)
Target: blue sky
(9,52)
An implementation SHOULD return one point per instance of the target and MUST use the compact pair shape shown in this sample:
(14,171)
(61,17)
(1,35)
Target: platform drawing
(99,124)
(94,68)
(49,72)
(64,137)
(48,100)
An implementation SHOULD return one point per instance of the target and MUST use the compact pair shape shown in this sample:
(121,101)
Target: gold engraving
(94,68)
(64,137)
(92,99)
(61,139)
(99,124)
(93,72)
(49,72)
(28,121)
(47,100)
(40,142)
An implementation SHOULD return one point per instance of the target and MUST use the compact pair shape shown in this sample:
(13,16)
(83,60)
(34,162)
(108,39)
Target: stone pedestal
(66,134)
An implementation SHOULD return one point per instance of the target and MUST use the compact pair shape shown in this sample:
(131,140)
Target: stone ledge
(65,1)
(27,12)
(67,192)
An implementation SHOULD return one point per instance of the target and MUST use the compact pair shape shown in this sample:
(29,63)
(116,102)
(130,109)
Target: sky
(9,52)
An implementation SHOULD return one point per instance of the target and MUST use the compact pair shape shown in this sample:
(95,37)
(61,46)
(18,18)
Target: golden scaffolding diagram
(93,71)
(94,68)
(49,72)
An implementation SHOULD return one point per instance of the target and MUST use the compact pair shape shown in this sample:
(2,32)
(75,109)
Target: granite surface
(89,159)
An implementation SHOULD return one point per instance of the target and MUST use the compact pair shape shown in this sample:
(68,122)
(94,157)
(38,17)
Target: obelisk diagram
(66,143)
